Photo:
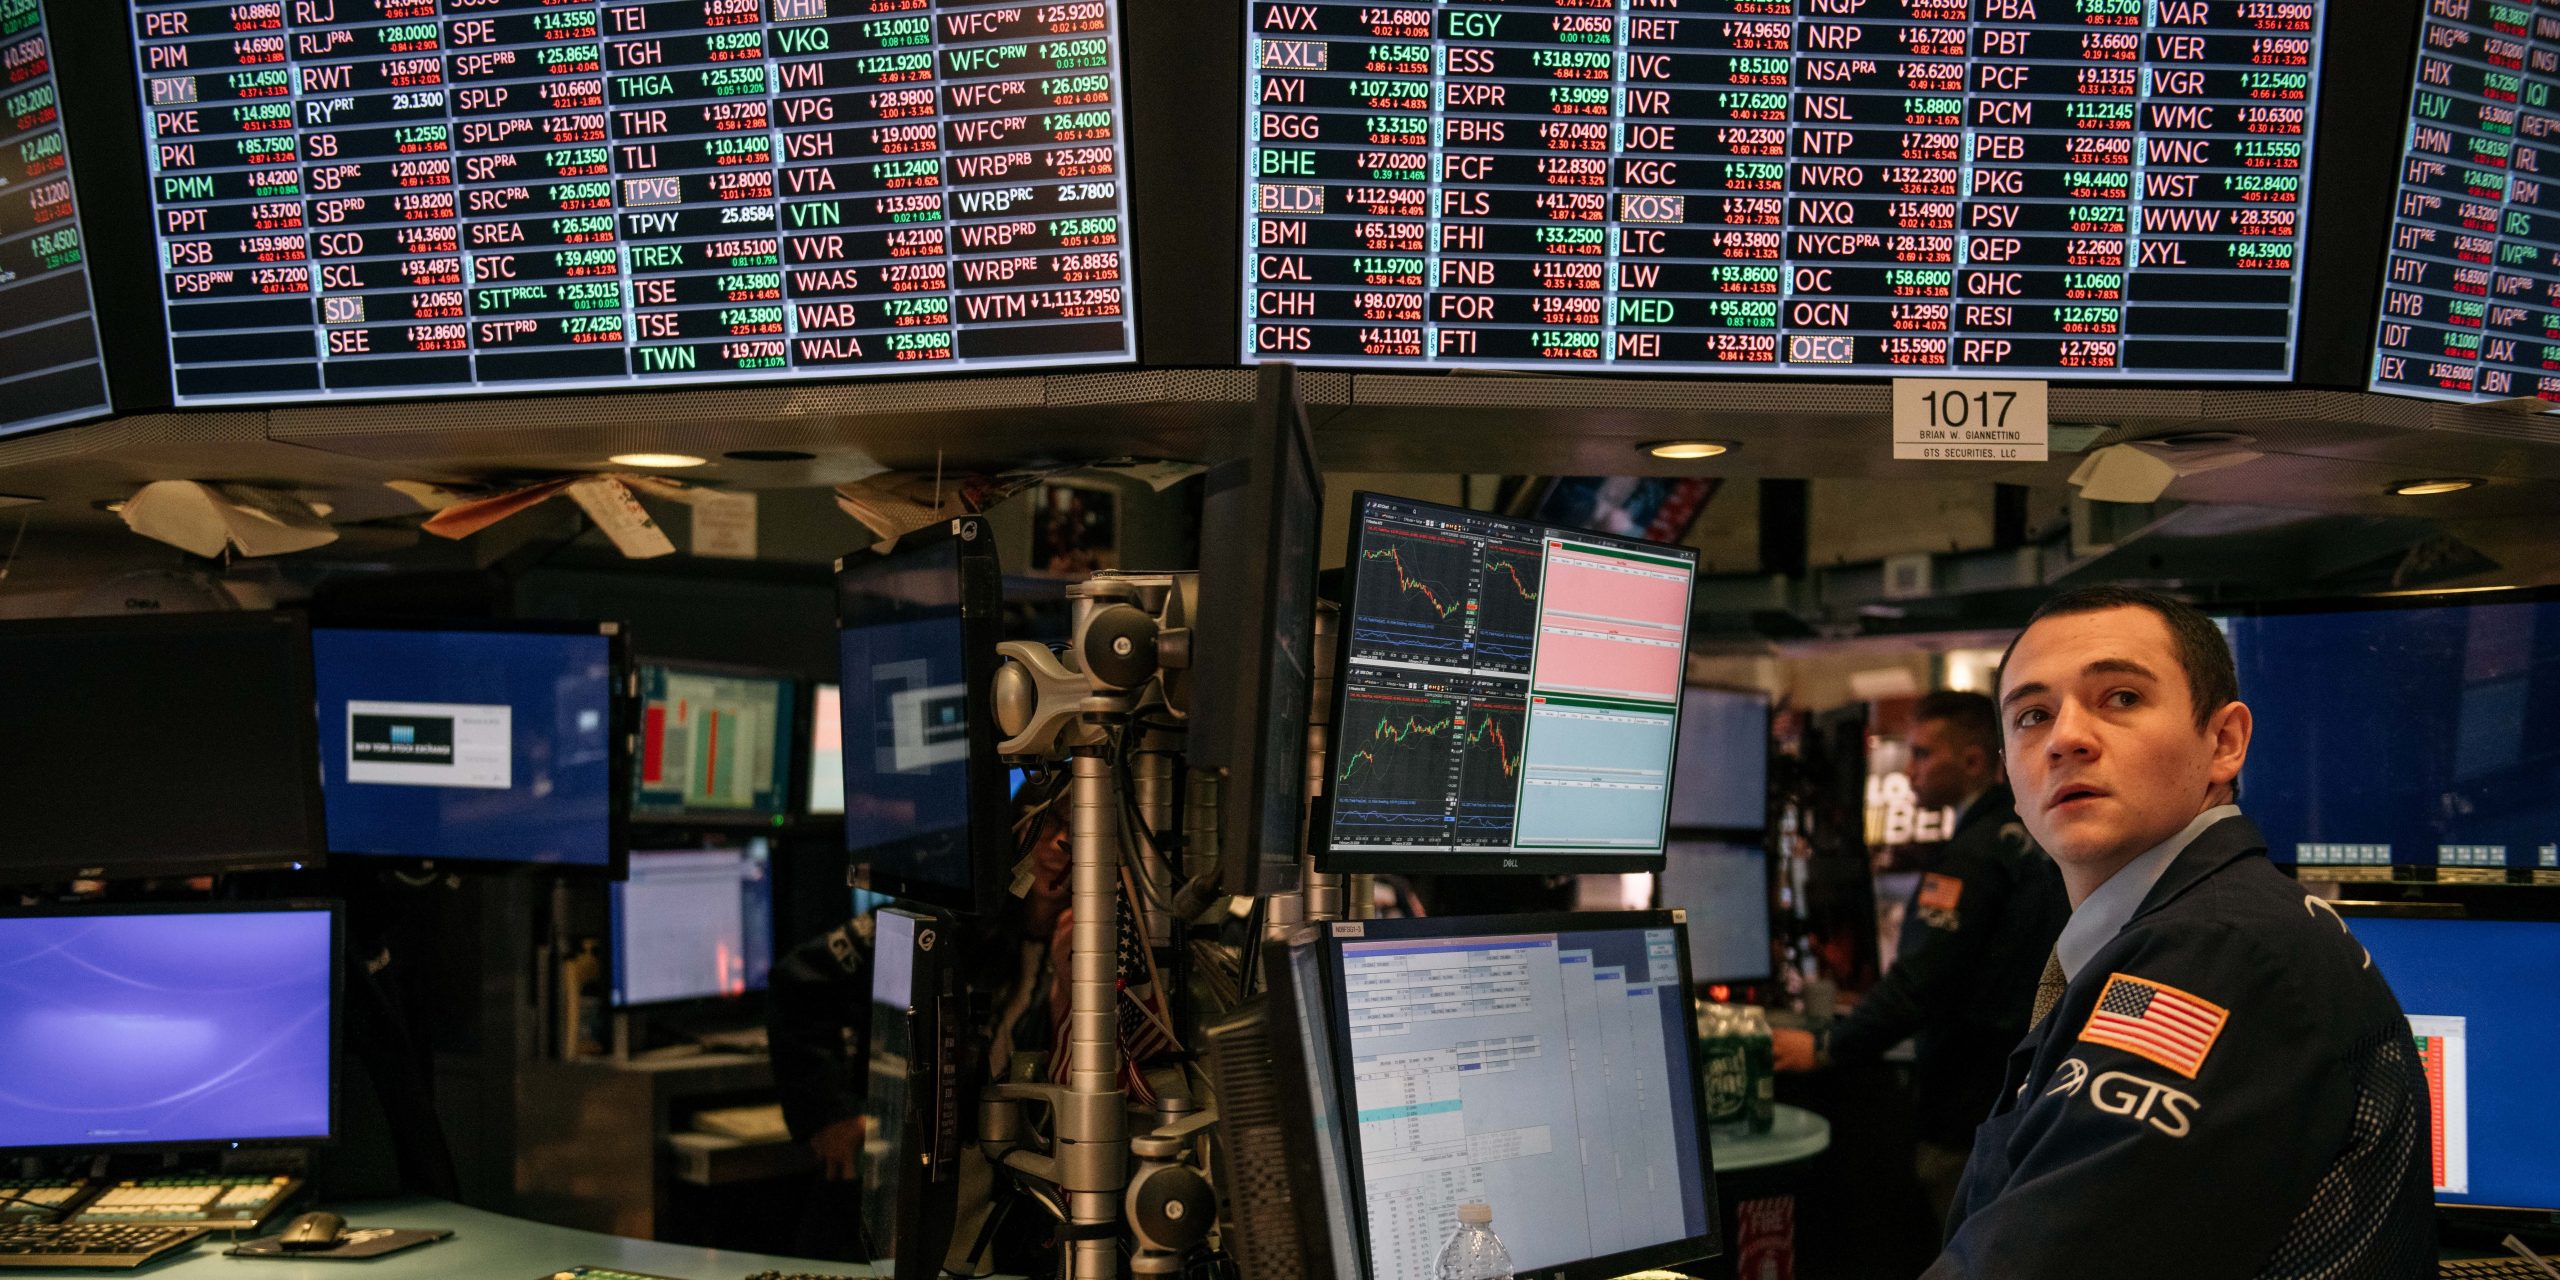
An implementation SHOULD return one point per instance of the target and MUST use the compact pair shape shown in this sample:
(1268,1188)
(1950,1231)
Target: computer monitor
(924,798)
(692,924)
(1255,637)
(911,1146)
(1507,695)
(2486,1014)
(1722,783)
(475,745)
(156,746)
(1466,1047)
(716,746)
(1283,1154)
(1724,889)
(167,1026)
(826,752)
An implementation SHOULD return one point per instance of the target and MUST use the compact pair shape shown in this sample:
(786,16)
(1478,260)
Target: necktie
(2049,989)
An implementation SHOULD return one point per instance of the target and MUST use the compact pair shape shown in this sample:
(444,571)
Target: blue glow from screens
(906,749)
(475,745)
(197,1027)
(2433,733)
(1721,778)
(693,924)
(2496,977)
(713,744)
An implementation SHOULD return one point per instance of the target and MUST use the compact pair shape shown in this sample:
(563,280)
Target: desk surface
(485,1246)
(1798,1135)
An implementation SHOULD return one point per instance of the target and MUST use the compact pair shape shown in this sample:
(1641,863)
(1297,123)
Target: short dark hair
(1973,716)
(2212,680)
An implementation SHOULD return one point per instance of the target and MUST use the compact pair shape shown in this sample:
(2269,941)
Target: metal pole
(1151,778)
(1321,895)
(1093,1127)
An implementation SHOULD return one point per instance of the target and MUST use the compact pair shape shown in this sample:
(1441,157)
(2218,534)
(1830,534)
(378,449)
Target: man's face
(2102,741)
(1945,767)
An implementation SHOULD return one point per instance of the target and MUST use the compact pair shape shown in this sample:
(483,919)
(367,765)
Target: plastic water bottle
(1475,1253)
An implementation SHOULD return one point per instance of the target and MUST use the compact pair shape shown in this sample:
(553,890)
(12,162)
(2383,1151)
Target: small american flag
(2156,1021)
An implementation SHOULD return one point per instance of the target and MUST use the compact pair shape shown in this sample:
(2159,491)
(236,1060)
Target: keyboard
(74,1244)
(229,1203)
(2490,1269)
(49,1197)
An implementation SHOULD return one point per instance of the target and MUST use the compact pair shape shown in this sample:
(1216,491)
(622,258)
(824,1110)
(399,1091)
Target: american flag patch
(2155,1021)
(1941,893)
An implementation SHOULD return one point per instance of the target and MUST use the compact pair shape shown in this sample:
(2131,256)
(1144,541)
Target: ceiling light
(1688,450)
(2430,488)
(657,461)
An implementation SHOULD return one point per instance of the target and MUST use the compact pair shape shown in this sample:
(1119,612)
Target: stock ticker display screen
(2093,188)
(424,197)
(50,371)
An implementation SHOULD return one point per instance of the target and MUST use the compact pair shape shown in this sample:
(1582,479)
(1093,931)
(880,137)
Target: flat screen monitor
(1723,779)
(2418,736)
(535,197)
(2118,191)
(1284,1152)
(910,1147)
(1507,695)
(2475,241)
(1724,888)
(157,746)
(715,745)
(1492,1098)
(497,747)
(2487,1019)
(50,368)
(692,924)
(167,1026)
(924,799)
(826,751)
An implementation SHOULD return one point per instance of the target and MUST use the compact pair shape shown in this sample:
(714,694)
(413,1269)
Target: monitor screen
(50,370)
(693,924)
(1725,890)
(153,1026)
(826,751)
(354,200)
(1479,1100)
(1723,779)
(1509,692)
(103,713)
(713,745)
(2475,245)
(2416,737)
(2113,189)
(2487,1017)
(469,746)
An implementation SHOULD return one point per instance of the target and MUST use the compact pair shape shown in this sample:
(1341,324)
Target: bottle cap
(1475,1215)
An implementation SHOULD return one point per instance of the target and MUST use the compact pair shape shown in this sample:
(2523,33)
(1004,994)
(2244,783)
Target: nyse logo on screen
(406,739)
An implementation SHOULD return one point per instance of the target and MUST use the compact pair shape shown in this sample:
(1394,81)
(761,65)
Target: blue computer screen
(1721,776)
(472,745)
(906,749)
(693,924)
(2419,737)
(2481,998)
(192,1027)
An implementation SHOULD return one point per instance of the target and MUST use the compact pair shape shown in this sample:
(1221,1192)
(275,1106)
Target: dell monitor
(167,1026)
(715,746)
(477,746)
(1722,783)
(1724,890)
(156,746)
(910,1153)
(692,924)
(1507,695)
(825,782)
(1467,1048)
(924,798)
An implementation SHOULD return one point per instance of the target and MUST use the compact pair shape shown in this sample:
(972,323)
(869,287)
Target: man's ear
(2228,731)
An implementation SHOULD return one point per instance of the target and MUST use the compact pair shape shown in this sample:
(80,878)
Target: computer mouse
(315,1230)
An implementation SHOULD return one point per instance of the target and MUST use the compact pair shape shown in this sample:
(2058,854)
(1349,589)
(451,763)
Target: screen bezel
(795,697)
(615,915)
(1669,1254)
(1331,860)
(336,913)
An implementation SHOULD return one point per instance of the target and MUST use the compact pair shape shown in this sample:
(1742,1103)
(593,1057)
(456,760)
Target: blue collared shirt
(2104,914)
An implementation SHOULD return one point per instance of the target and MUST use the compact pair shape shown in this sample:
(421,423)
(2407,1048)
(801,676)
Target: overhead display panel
(431,197)
(50,372)
(2077,188)
(2471,291)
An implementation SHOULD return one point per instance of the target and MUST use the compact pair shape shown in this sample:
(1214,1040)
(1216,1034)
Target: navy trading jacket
(2227,1089)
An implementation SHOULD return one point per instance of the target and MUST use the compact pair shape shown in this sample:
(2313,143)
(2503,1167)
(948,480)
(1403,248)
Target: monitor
(2487,1019)
(127,757)
(1492,1098)
(924,798)
(1283,1153)
(911,1146)
(826,751)
(1255,638)
(50,368)
(473,745)
(2117,191)
(715,746)
(2416,734)
(1657,508)
(1507,694)
(547,198)
(1724,889)
(692,924)
(1723,779)
(167,1026)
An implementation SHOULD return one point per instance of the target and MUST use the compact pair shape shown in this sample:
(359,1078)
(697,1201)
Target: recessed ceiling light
(1686,450)
(657,461)
(2430,488)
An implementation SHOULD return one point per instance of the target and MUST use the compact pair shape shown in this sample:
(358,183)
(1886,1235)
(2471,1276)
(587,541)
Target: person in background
(1987,909)
(819,1033)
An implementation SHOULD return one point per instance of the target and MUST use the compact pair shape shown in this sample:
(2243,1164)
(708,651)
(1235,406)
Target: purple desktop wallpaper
(186,1028)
